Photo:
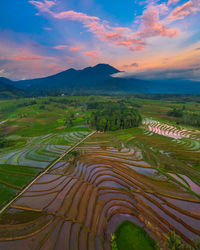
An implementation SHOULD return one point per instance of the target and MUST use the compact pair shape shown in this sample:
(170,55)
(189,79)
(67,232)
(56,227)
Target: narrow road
(43,173)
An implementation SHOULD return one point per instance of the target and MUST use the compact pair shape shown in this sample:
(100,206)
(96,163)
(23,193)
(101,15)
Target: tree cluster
(175,112)
(192,119)
(114,116)
(69,119)
(4,142)
(187,118)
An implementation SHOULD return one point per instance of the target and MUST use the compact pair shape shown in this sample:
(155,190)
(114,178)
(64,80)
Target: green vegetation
(175,112)
(192,119)
(114,116)
(175,242)
(3,142)
(129,236)
(185,117)
(6,194)
(13,179)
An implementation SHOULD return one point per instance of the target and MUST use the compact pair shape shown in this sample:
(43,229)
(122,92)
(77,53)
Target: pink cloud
(63,47)
(94,54)
(47,28)
(151,26)
(69,59)
(171,2)
(189,8)
(43,6)
(54,67)
(60,47)
(25,63)
(118,36)
(25,57)
(75,16)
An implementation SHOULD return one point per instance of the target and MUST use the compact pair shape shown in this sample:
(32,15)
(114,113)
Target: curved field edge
(10,191)
(81,199)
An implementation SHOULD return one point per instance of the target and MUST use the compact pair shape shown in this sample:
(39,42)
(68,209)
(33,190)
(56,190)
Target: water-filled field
(184,157)
(115,177)
(19,166)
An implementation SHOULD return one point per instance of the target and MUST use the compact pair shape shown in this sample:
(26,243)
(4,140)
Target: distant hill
(99,80)
(7,90)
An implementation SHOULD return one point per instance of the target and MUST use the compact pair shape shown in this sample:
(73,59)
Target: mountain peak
(104,66)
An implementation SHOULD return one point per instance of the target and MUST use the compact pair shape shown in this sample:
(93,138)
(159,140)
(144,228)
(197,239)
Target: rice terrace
(74,176)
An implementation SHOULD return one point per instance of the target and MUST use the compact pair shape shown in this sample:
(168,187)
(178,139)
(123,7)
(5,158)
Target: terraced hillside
(185,151)
(80,201)
(20,165)
(165,129)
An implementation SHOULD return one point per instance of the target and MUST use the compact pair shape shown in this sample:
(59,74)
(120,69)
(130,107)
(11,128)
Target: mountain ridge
(100,79)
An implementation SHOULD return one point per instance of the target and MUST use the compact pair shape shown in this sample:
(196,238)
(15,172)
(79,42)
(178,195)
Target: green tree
(113,116)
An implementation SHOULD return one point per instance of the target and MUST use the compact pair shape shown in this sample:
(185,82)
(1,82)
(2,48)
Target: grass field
(130,236)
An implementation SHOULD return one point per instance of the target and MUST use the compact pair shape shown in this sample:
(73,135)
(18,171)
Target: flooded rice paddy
(78,204)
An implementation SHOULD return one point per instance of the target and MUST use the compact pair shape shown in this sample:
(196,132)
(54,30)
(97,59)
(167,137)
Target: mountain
(71,78)
(7,90)
(100,80)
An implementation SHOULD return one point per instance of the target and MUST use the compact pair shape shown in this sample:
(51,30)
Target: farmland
(36,136)
(148,176)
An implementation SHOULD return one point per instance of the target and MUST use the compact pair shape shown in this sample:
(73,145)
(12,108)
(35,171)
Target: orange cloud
(94,54)
(76,48)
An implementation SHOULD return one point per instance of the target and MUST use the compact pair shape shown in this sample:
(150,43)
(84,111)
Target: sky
(146,39)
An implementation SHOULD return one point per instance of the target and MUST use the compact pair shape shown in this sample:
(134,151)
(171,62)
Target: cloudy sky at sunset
(43,37)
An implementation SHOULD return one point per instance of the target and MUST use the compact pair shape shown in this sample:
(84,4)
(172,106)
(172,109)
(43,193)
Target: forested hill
(8,91)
